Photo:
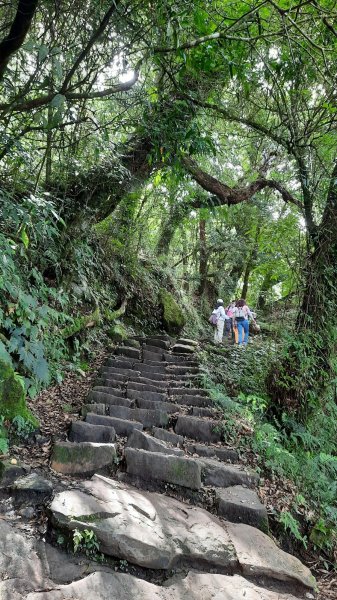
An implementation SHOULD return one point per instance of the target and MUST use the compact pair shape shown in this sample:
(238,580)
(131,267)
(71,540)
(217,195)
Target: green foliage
(22,428)
(290,524)
(173,317)
(85,541)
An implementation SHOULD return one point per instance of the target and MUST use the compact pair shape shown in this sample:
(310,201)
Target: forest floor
(58,405)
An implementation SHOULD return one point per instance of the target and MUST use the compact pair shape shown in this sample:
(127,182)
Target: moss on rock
(173,317)
(12,396)
(118,333)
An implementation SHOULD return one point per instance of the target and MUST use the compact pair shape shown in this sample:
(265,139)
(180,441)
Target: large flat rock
(108,398)
(155,466)
(148,417)
(147,529)
(147,395)
(196,586)
(159,532)
(81,458)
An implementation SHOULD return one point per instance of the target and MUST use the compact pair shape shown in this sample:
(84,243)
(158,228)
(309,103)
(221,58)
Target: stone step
(155,466)
(148,417)
(156,396)
(222,453)
(155,531)
(114,371)
(154,376)
(121,426)
(96,408)
(82,458)
(154,350)
(199,401)
(187,342)
(168,436)
(158,342)
(101,585)
(127,351)
(183,349)
(144,368)
(239,504)
(80,431)
(108,398)
(114,380)
(205,412)
(148,383)
(218,474)
(168,407)
(173,370)
(142,387)
(147,355)
(144,441)
(105,389)
(160,336)
(185,391)
(119,364)
(201,430)
(176,358)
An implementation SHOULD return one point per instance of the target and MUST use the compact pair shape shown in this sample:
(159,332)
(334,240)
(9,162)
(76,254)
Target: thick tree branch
(47,98)
(18,31)
(228,195)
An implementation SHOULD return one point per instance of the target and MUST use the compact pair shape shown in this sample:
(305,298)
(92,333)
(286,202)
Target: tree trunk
(202,257)
(301,380)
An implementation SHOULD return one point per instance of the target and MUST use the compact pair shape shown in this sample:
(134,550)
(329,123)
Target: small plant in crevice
(22,428)
(86,541)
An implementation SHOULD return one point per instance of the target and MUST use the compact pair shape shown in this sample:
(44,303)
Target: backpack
(241,313)
(214,318)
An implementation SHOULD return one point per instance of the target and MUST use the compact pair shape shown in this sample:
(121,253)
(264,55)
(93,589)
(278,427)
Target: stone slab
(129,352)
(224,454)
(183,349)
(143,441)
(168,436)
(168,407)
(198,429)
(147,355)
(121,426)
(187,342)
(119,364)
(217,474)
(135,394)
(239,504)
(31,488)
(148,417)
(177,370)
(149,383)
(82,458)
(155,466)
(147,529)
(154,350)
(81,431)
(153,341)
(198,411)
(116,381)
(115,371)
(109,398)
(97,408)
(150,369)
(195,586)
(185,391)
(142,387)
(189,400)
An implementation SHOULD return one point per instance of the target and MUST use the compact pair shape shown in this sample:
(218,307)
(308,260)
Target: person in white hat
(218,319)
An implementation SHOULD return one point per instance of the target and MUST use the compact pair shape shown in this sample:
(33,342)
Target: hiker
(229,322)
(218,318)
(241,313)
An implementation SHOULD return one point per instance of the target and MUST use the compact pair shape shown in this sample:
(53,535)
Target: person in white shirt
(241,314)
(219,311)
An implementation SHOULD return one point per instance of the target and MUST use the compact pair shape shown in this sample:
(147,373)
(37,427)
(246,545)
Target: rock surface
(157,466)
(196,586)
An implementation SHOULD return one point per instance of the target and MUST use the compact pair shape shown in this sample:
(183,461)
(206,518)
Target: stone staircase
(162,490)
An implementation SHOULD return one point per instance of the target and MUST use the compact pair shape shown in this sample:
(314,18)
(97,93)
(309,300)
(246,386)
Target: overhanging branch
(236,195)
(18,31)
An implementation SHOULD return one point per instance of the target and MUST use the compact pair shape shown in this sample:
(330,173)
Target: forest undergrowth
(297,463)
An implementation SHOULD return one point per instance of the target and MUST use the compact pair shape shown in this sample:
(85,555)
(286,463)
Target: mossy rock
(12,396)
(173,317)
(118,333)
